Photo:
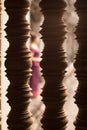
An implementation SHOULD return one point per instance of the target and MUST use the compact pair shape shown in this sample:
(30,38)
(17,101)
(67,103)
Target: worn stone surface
(81,66)
(18,65)
(53,64)
(70,81)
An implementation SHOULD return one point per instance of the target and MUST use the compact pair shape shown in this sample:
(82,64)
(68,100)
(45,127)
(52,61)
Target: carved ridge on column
(53,64)
(81,66)
(18,65)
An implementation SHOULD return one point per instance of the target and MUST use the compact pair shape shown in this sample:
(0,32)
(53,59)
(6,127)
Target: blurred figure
(35,78)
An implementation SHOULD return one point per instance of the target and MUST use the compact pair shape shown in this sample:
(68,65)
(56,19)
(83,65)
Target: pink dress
(35,78)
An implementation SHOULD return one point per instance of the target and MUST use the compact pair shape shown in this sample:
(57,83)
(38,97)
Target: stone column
(81,66)
(18,64)
(53,64)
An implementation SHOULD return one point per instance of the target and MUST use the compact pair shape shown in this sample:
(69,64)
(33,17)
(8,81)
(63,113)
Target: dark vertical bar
(53,64)
(81,66)
(18,64)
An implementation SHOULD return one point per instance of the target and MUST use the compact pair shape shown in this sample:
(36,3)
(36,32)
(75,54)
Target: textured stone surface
(53,64)
(70,81)
(81,66)
(18,65)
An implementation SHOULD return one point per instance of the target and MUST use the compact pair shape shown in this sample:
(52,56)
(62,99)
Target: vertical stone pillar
(53,64)
(81,66)
(18,64)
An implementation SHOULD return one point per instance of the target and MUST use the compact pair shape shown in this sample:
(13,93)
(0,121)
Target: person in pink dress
(35,78)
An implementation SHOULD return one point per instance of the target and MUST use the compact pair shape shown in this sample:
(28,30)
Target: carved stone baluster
(18,64)
(53,64)
(81,66)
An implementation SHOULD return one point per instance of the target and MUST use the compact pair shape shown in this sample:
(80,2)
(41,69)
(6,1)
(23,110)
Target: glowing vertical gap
(36,20)
(70,47)
(0,62)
